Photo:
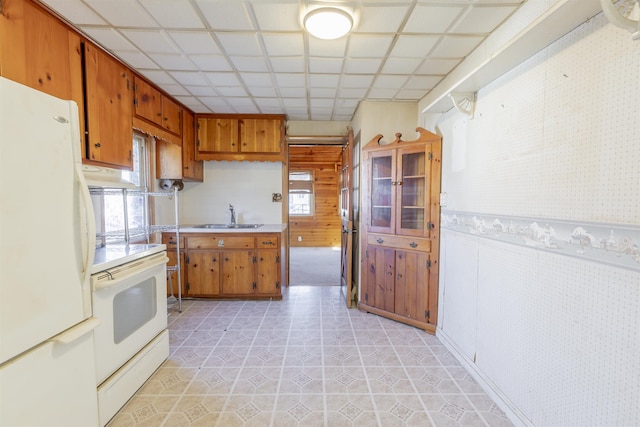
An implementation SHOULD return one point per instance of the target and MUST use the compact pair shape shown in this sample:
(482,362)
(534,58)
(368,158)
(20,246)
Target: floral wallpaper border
(613,244)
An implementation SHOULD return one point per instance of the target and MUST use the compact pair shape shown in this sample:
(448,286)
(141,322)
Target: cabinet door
(382,191)
(413,182)
(217,135)
(412,285)
(171,116)
(168,160)
(192,169)
(380,267)
(109,109)
(260,135)
(268,271)
(203,273)
(38,51)
(238,276)
(147,101)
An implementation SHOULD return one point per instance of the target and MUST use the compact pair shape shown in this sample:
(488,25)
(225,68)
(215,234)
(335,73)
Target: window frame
(311,192)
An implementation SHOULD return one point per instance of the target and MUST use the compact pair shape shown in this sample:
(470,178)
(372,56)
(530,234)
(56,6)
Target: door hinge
(187,259)
(427,313)
(430,226)
(255,260)
(254,286)
(428,263)
(366,297)
(135,101)
(187,287)
(366,253)
(277,285)
(278,259)
(430,156)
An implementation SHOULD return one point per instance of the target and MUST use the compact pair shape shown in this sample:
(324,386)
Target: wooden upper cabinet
(147,101)
(192,169)
(150,104)
(240,137)
(38,51)
(109,98)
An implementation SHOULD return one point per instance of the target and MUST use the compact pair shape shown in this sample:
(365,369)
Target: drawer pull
(379,240)
(413,244)
(268,243)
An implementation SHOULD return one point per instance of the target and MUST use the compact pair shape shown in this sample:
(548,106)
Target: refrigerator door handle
(88,241)
(72,334)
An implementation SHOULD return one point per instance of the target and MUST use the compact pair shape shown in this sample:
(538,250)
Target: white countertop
(265,228)
(114,255)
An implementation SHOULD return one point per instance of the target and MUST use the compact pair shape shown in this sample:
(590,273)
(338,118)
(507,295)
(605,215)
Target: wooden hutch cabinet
(401,211)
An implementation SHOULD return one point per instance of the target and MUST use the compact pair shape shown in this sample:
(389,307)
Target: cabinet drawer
(400,242)
(170,241)
(267,241)
(221,241)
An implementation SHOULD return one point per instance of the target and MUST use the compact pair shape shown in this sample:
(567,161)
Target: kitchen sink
(227,226)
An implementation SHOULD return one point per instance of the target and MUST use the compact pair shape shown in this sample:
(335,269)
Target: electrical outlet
(443,199)
(299,238)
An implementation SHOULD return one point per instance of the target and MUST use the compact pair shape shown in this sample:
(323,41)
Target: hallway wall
(540,246)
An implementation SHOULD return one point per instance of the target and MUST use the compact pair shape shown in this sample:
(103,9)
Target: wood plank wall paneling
(324,227)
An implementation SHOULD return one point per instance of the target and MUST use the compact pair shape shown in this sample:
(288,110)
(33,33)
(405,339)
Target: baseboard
(511,411)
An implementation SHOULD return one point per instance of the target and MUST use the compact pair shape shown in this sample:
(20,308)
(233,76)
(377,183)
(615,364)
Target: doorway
(314,214)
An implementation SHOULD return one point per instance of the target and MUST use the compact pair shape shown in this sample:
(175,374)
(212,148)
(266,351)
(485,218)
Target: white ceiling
(252,56)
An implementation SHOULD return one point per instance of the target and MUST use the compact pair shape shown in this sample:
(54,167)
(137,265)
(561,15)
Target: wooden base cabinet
(230,265)
(400,241)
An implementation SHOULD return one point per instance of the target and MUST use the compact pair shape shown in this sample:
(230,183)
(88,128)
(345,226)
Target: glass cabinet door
(381,190)
(412,196)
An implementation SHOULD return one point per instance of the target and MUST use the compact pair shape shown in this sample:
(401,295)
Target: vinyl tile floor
(304,361)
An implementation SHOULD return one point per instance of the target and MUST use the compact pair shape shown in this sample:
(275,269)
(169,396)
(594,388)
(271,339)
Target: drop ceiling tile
(410,94)
(401,65)
(123,13)
(157,76)
(389,82)
(293,92)
(175,90)
(173,13)
(136,60)
(434,19)
(76,12)
(381,19)
(321,115)
(291,103)
(379,93)
(270,110)
(173,62)
(328,48)
(456,46)
(223,79)
(199,43)
(349,103)
(282,64)
(211,62)
(194,78)
(414,46)
(214,102)
(297,114)
(261,91)
(151,41)
(329,92)
(358,93)
(109,38)
(437,66)
(268,102)
(323,80)
(318,103)
(362,66)
(325,65)
(225,15)
(291,80)
(422,82)
(254,64)
(283,44)
(231,91)
(189,101)
(483,19)
(257,79)
(243,104)
(361,46)
(356,80)
(240,44)
(277,16)
(201,90)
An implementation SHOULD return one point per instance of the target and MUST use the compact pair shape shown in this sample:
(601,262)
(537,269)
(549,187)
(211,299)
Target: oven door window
(132,308)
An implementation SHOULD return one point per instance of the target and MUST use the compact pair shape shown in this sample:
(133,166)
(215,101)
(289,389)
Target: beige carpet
(314,266)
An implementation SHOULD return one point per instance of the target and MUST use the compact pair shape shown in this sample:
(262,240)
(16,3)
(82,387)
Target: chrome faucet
(233,215)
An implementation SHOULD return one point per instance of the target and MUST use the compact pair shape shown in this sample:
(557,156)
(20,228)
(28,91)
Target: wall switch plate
(299,238)
(443,199)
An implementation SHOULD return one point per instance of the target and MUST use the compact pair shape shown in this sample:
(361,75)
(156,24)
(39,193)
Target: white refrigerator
(47,244)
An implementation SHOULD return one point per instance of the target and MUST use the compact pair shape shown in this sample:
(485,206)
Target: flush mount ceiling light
(328,23)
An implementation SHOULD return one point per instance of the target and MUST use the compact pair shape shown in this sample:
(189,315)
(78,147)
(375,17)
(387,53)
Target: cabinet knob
(379,240)
(413,244)
(97,145)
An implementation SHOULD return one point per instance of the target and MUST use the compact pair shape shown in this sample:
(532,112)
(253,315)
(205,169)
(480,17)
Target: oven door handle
(108,279)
